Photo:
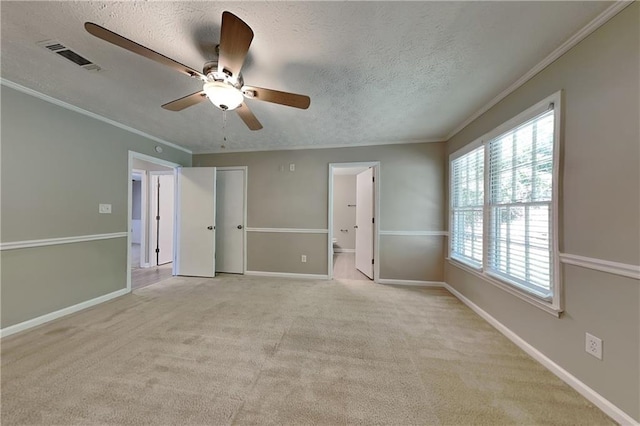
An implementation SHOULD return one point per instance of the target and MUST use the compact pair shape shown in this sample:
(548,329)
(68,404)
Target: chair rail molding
(13,245)
(289,230)
(416,233)
(616,268)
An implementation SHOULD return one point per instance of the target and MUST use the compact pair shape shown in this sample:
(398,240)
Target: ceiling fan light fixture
(223,95)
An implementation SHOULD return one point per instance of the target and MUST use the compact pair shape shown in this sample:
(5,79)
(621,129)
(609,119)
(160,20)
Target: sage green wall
(57,166)
(40,280)
(600,211)
(411,199)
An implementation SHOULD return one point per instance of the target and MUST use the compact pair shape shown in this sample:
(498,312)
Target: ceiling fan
(223,82)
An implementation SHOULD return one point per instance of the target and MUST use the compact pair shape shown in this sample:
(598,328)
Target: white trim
(245,178)
(143,215)
(332,146)
(287,275)
(598,400)
(417,233)
(412,283)
(513,290)
(343,250)
(12,329)
(74,108)
(289,230)
(377,196)
(583,33)
(13,245)
(623,269)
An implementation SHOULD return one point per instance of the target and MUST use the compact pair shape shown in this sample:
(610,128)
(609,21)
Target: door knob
(209,227)
(239,226)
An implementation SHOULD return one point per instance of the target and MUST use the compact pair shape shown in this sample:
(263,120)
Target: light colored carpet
(249,350)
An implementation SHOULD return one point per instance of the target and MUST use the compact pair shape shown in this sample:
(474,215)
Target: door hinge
(157,250)
(157,217)
(373,178)
(372,260)
(373,220)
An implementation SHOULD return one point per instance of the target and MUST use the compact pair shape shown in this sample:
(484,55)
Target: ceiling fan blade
(277,97)
(185,102)
(134,47)
(235,39)
(247,116)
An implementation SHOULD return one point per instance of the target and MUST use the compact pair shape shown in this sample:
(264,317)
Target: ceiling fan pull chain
(224,128)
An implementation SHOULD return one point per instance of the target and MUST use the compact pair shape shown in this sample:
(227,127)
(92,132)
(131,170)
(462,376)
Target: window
(520,195)
(503,205)
(467,203)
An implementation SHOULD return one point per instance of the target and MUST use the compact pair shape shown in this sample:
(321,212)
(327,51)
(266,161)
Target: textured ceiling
(376,72)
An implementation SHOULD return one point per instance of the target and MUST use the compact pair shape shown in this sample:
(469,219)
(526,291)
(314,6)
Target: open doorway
(152,214)
(353,228)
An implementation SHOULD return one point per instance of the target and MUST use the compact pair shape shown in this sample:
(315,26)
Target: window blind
(520,205)
(467,192)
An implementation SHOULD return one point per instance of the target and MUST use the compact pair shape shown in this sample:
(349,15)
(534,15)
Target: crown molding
(47,98)
(333,146)
(583,33)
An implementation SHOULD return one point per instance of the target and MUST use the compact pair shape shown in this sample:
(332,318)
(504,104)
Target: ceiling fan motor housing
(222,88)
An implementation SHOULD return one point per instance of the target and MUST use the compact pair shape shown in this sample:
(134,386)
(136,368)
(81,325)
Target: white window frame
(554,304)
(461,152)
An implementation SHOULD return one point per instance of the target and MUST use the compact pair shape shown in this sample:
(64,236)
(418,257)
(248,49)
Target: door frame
(150,219)
(245,171)
(136,155)
(376,228)
(143,214)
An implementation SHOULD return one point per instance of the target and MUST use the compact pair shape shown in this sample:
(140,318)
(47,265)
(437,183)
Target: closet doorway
(353,225)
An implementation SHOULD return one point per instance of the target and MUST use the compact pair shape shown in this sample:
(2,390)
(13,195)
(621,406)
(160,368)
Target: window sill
(522,295)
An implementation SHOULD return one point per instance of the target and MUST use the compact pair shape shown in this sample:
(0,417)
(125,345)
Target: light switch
(292,167)
(104,208)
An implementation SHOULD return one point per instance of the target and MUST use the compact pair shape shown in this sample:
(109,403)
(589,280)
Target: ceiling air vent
(62,50)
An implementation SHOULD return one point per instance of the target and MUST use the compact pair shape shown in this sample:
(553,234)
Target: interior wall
(599,215)
(411,200)
(344,211)
(75,162)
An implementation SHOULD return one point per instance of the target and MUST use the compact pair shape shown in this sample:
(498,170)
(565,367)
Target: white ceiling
(376,72)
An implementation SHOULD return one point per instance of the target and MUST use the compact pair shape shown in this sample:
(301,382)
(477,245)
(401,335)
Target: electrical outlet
(104,208)
(303,258)
(593,346)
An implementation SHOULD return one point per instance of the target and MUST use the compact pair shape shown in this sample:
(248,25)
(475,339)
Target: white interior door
(230,221)
(364,222)
(165,223)
(196,236)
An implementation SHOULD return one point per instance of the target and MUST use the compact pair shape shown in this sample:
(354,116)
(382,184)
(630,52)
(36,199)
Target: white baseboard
(343,250)
(594,397)
(413,283)
(12,329)
(287,275)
